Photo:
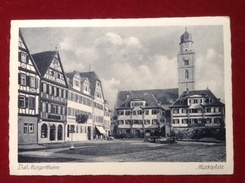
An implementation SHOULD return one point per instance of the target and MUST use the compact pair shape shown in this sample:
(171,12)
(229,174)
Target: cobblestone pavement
(127,151)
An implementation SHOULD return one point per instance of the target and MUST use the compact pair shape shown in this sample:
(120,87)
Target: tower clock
(186,63)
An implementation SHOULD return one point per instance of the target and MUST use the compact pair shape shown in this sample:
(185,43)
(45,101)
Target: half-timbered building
(28,95)
(53,97)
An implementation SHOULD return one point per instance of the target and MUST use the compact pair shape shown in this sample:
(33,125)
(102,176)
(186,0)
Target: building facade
(28,95)
(107,119)
(53,97)
(98,106)
(79,108)
(141,111)
(198,109)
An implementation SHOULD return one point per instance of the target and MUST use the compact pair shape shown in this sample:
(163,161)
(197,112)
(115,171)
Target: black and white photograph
(121,97)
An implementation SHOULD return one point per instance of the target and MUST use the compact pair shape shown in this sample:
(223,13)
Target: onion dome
(185,37)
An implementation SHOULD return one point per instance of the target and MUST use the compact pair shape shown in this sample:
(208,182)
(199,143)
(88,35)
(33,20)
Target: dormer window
(76,83)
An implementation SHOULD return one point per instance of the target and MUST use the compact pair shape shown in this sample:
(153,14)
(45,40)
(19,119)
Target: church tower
(186,63)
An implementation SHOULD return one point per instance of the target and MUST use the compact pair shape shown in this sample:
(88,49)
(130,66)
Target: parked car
(165,140)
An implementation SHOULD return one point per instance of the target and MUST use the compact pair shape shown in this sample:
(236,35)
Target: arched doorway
(44,131)
(60,132)
(52,133)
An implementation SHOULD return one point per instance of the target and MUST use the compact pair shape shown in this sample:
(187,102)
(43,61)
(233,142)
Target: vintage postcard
(121,97)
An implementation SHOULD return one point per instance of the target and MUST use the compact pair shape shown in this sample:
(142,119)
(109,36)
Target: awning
(101,129)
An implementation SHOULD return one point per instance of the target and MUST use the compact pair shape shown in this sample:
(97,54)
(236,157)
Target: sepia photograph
(121,97)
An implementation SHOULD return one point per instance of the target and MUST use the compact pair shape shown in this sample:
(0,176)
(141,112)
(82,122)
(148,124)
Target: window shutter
(26,102)
(36,83)
(28,78)
(52,90)
(41,87)
(47,88)
(46,107)
(58,92)
(27,58)
(19,56)
(19,78)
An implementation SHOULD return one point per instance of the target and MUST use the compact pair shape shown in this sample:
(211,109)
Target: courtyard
(129,150)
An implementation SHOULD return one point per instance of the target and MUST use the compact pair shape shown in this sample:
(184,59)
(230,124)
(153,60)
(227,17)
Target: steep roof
(43,60)
(182,100)
(92,77)
(28,52)
(70,75)
(165,96)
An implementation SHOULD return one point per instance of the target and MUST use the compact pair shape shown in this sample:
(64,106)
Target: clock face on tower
(185,46)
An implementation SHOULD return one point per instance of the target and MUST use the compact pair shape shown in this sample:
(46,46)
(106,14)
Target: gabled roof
(149,98)
(70,75)
(43,60)
(182,100)
(92,77)
(28,52)
(165,96)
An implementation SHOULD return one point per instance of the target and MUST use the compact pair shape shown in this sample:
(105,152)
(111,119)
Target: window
(49,108)
(23,79)
(127,113)
(25,128)
(127,122)
(44,88)
(23,57)
(194,120)
(186,74)
(186,62)
(146,112)
(44,131)
(50,89)
(121,122)
(55,91)
(134,112)
(43,107)
(76,83)
(60,132)
(184,121)
(194,110)
(31,128)
(208,120)
(59,109)
(28,128)
(209,110)
(31,103)
(121,112)
(136,122)
(217,109)
(217,120)
(154,111)
(154,121)
(139,112)
(33,82)
(22,103)
(147,122)
(176,111)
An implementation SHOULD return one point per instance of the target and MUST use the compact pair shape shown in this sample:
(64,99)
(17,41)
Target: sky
(134,58)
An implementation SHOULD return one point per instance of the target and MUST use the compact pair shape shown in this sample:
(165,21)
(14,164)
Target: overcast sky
(134,58)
